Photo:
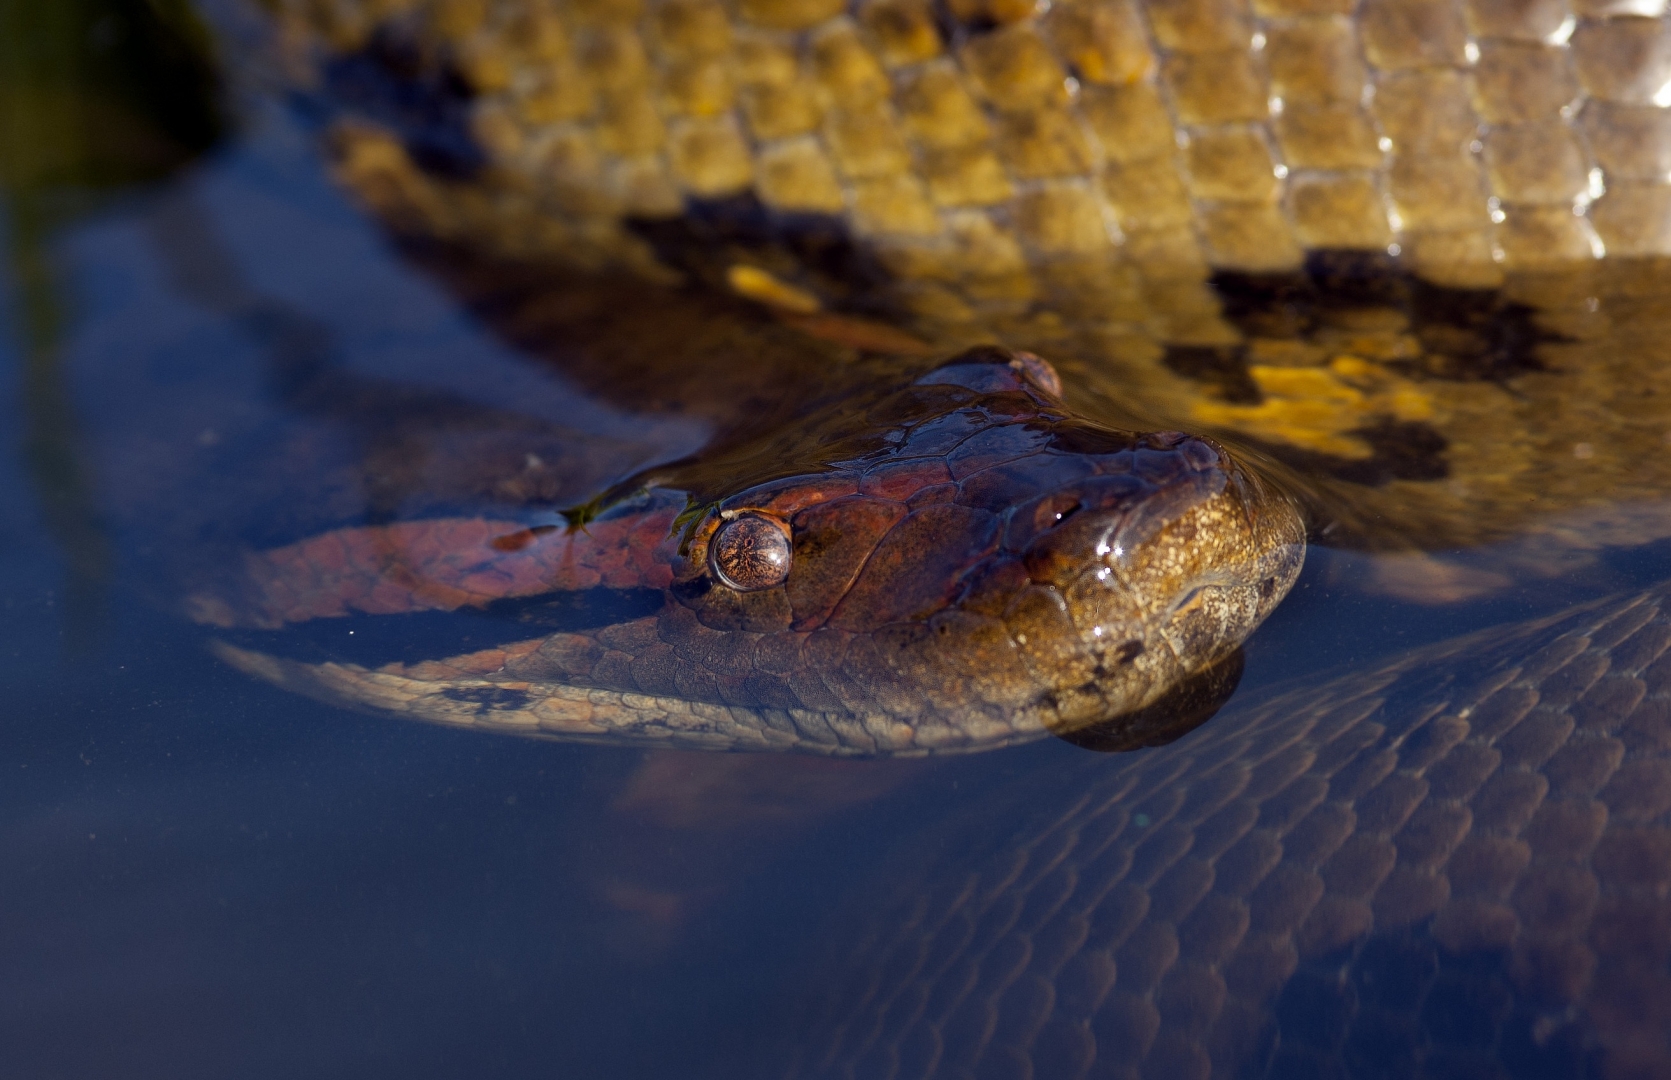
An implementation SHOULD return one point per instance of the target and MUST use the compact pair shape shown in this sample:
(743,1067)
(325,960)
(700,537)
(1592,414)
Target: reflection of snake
(1455,864)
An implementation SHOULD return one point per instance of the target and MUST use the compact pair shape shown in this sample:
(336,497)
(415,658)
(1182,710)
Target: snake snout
(1164,569)
(1105,521)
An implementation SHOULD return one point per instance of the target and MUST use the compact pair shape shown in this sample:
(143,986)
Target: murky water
(203,875)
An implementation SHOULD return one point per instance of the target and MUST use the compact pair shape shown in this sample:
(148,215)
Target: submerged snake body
(968,565)
(1455,864)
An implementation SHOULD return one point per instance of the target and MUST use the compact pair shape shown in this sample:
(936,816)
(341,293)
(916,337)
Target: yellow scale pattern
(1065,177)
(1081,140)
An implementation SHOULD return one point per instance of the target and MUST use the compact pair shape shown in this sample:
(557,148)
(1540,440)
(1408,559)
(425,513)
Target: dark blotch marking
(953,30)
(1357,278)
(389,81)
(1402,450)
(489,697)
(1222,367)
(1467,335)
(1268,305)
(712,235)
(1474,335)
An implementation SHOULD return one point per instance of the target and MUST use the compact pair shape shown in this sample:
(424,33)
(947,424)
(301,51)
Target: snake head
(994,554)
(1145,573)
(954,562)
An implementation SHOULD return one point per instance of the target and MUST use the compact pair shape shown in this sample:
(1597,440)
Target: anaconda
(1410,871)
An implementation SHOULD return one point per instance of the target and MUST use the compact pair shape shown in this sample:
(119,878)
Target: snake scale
(1412,249)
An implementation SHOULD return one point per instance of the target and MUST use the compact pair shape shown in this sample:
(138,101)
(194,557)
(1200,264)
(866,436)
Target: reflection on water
(94,96)
(207,876)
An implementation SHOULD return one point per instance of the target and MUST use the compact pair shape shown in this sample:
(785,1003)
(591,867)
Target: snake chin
(1170,717)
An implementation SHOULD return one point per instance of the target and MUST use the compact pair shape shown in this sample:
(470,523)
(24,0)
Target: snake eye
(750,552)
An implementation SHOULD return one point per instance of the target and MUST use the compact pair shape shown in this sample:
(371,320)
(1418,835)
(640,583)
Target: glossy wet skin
(953,563)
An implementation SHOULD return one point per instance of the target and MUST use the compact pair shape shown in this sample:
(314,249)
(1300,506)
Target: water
(207,876)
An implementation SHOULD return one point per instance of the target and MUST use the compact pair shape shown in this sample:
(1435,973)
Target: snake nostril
(1052,512)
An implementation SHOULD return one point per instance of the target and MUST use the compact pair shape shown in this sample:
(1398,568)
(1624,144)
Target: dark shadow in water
(408,451)
(387,80)
(95,96)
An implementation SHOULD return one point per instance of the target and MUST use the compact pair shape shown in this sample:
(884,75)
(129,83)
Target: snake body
(1186,205)
(1456,863)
